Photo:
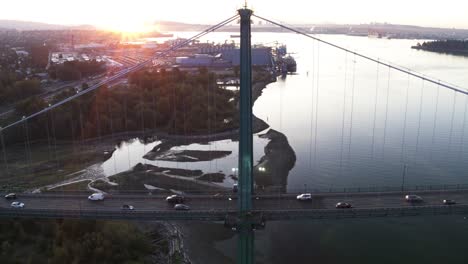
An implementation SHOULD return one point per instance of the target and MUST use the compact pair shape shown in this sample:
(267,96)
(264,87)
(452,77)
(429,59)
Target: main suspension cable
(390,65)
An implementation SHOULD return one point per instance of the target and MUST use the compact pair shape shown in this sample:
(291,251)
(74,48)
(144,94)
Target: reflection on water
(356,124)
(351,122)
(131,152)
(338,143)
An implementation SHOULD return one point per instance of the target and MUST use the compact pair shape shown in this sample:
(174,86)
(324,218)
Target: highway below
(210,207)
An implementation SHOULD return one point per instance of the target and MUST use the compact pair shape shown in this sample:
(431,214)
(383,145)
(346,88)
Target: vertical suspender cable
(127,129)
(98,120)
(5,159)
(54,133)
(403,146)
(215,97)
(435,121)
(463,130)
(312,105)
(82,131)
(452,119)
(26,156)
(155,108)
(155,126)
(142,112)
(343,114)
(386,115)
(28,147)
(375,110)
(352,111)
(419,118)
(184,99)
(73,143)
(49,151)
(111,123)
(209,103)
(317,103)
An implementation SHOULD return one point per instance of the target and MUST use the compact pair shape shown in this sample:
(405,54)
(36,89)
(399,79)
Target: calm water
(130,153)
(352,123)
(338,143)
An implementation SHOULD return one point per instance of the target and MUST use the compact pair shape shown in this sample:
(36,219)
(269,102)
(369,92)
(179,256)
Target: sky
(134,15)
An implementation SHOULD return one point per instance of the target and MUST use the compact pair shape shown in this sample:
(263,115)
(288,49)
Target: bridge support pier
(245,246)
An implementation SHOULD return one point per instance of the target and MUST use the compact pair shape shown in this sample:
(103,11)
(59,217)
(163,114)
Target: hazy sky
(132,14)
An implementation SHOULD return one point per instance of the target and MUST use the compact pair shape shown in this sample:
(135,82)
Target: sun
(129,18)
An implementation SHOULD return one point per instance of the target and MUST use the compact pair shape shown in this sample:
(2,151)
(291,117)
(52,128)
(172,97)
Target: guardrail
(380,191)
(221,215)
(141,215)
(317,214)
(275,190)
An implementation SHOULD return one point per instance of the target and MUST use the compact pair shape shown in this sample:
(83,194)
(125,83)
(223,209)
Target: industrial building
(261,56)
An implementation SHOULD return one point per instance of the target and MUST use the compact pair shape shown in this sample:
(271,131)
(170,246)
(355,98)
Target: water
(337,143)
(352,123)
(131,152)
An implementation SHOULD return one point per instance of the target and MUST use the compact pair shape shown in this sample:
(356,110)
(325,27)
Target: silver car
(304,197)
(17,205)
(181,207)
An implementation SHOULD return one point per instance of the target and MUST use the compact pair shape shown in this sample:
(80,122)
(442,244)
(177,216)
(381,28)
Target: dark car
(343,205)
(175,199)
(10,196)
(127,207)
(449,202)
(181,207)
(413,198)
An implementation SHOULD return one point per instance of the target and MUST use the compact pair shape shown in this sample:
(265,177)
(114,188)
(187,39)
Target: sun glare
(131,27)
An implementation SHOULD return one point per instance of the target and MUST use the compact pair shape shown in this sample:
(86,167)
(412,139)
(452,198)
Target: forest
(174,102)
(456,47)
(72,241)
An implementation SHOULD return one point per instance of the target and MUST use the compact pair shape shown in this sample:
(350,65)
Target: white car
(304,197)
(96,197)
(17,205)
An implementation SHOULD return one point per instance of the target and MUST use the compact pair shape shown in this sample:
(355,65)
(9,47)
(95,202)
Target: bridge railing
(270,190)
(148,215)
(221,215)
(374,189)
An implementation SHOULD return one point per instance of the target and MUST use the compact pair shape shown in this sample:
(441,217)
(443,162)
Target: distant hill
(28,25)
(178,26)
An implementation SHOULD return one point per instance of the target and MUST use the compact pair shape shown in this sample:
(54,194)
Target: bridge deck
(215,208)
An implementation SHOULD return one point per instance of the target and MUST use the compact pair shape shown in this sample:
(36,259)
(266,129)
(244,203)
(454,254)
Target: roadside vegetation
(12,89)
(73,241)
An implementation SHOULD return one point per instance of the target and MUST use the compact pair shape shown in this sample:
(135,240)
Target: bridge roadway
(216,208)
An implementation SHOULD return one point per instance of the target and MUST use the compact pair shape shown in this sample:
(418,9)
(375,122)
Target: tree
(30,106)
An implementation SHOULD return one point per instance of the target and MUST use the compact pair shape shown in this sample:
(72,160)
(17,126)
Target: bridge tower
(245,245)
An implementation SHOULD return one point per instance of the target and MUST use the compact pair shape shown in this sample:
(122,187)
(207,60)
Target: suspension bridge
(245,210)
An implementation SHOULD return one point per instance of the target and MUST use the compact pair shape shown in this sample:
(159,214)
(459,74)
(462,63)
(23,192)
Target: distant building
(196,60)
(260,56)
(207,48)
(89,46)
